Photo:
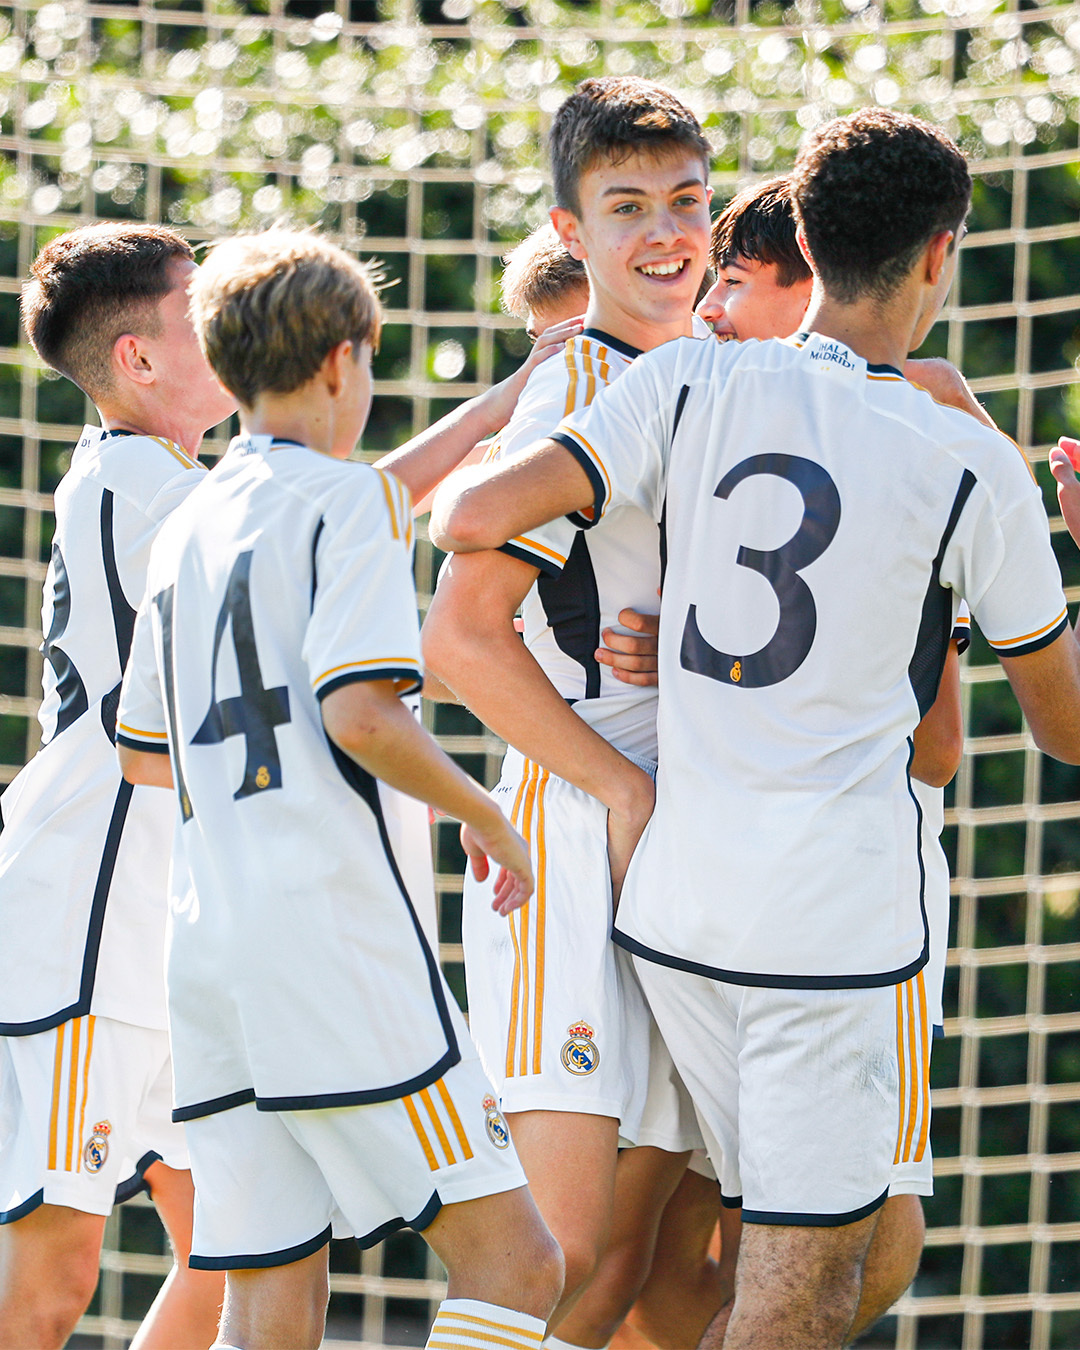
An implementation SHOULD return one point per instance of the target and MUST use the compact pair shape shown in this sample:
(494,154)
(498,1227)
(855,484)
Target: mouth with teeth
(663,269)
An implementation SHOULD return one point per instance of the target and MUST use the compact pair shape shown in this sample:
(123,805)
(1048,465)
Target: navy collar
(600,336)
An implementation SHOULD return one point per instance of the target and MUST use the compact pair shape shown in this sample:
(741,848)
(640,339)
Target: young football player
(326,1077)
(84,1059)
(560,1029)
(820,512)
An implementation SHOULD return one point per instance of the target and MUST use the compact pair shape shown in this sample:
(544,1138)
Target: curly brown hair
(871,190)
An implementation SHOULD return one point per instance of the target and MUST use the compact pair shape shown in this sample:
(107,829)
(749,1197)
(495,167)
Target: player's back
(285,577)
(819,514)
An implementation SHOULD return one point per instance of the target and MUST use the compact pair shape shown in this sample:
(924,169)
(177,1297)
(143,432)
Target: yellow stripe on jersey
(90,1022)
(384,479)
(390,661)
(146,735)
(440,1132)
(913,1054)
(529,957)
(54,1115)
(537,547)
(571,388)
(421,1133)
(177,452)
(73,1091)
(541,925)
(1028,637)
(590,377)
(577,436)
(605,369)
(455,1119)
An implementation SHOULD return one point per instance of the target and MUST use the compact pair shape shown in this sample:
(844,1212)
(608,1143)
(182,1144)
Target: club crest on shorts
(97,1147)
(496,1124)
(579,1054)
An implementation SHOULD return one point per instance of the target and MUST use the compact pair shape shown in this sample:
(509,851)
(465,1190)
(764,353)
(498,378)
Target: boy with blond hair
(270,660)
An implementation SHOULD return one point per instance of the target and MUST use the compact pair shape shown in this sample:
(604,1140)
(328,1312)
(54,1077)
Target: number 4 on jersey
(256,711)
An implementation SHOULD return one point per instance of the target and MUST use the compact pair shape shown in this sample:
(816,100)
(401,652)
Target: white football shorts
(273,1187)
(796,1091)
(85,1108)
(558,1026)
(668,1120)
(913,1162)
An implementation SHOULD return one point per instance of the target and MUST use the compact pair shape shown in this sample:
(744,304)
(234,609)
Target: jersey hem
(322,1101)
(755,980)
(212,1106)
(424,1219)
(414,685)
(797,1220)
(546,565)
(259,1260)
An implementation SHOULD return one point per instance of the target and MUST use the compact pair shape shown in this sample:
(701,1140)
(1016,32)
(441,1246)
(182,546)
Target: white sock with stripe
(468,1324)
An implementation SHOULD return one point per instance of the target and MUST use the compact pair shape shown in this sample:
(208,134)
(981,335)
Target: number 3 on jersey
(790,645)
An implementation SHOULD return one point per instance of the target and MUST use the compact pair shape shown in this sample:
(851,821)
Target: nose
(666,227)
(711,308)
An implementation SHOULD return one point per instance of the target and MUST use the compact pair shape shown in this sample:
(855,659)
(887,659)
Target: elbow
(459,527)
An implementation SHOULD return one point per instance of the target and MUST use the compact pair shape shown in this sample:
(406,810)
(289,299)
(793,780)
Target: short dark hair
(759,223)
(269,307)
(92,286)
(871,190)
(612,118)
(540,271)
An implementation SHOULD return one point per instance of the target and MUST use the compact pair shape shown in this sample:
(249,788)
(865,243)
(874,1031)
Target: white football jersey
(586,579)
(299,975)
(84,858)
(819,515)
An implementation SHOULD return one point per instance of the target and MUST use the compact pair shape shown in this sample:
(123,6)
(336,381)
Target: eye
(689,201)
(627,208)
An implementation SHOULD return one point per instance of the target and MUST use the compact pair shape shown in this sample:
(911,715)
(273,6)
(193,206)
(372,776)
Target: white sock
(468,1324)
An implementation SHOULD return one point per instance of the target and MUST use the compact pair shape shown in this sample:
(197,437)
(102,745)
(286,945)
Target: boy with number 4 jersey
(324,1072)
(775,905)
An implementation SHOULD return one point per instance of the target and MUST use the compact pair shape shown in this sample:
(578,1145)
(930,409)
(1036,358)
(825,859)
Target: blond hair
(539,271)
(269,307)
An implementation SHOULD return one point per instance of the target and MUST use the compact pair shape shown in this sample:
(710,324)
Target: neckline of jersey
(115,431)
(601,336)
(884,369)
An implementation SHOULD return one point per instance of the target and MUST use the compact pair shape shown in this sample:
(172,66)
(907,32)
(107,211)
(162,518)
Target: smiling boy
(561,1028)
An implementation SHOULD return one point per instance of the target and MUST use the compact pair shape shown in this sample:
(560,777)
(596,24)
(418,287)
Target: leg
(645,1179)
(184,1316)
(48,1274)
(892,1261)
(570,1160)
(795,1288)
(277,1307)
(498,1250)
(687,1284)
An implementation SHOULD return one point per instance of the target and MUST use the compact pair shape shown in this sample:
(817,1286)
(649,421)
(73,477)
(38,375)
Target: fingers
(552,339)
(1071,448)
(638,623)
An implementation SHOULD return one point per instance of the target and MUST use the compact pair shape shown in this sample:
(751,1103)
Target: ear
(130,360)
(568,229)
(334,369)
(938,252)
(804,249)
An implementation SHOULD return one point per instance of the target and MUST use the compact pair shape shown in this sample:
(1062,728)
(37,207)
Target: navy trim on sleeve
(797,1220)
(261,1260)
(731,1201)
(599,491)
(151,749)
(383,673)
(548,566)
(1036,645)
(212,1106)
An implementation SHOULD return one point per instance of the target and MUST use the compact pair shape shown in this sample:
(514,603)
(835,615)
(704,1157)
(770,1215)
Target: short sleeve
(961,629)
(364,623)
(140,718)
(1001,561)
(622,438)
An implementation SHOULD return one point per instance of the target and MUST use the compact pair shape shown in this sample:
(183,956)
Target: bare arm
(1047,686)
(146,767)
(470,643)
(481,508)
(939,737)
(368,721)
(422,463)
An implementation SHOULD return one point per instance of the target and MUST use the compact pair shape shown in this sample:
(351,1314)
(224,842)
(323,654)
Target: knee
(544,1277)
(581,1257)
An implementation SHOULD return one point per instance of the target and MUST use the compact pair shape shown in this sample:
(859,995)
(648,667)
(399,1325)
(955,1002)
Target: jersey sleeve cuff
(535,554)
(407,676)
(131,739)
(586,457)
(1033,642)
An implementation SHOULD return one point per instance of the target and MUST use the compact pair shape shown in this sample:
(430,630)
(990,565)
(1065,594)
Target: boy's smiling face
(643,234)
(748,301)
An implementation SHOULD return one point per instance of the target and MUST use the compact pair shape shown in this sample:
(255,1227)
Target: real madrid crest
(579,1054)
(496,1125)
(97,1147)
